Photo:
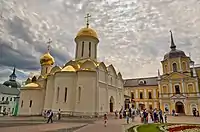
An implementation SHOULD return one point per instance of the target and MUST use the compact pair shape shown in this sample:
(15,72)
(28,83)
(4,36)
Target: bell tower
(86,42)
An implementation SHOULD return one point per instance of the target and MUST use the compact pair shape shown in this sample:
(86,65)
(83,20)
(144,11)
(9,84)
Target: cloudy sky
(134,34)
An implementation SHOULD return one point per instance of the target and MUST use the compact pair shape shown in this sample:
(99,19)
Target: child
(105,120)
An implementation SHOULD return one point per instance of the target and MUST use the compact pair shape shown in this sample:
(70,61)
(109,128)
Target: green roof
(7,90)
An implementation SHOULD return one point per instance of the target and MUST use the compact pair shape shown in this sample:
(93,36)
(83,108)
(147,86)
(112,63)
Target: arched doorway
(111,103)
(180,107)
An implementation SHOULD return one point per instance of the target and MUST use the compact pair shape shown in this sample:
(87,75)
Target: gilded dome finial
(48,44)
(87,19)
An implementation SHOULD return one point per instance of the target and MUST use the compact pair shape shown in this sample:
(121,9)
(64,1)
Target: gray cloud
(134,35)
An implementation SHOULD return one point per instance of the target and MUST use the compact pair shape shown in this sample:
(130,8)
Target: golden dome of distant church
(47,59)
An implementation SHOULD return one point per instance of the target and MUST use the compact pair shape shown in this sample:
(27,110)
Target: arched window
(2,98)
(190,88)
(184,67)
(165,69)
(174,65)
(164,89)
(177,89)
(150,95)
(141,95)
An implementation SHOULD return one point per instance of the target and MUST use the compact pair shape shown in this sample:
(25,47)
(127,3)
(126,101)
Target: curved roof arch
(112,70)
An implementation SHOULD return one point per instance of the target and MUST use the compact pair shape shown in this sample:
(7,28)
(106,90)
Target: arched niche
(112,70)
(102,67)
(73,63)
(55,69)
(88,64)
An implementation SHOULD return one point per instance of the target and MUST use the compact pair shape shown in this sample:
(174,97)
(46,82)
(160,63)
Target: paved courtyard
(38,124)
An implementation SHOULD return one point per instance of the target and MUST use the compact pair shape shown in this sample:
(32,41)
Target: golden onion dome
(69,68)
(32,85)
(87,32)
(46,59)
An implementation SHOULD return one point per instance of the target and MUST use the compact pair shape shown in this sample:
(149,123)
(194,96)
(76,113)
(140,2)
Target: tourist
(50,116)
(173,112)
(44,114)
(145,116)
(194,112)
(59,114)
(105,120)
(197,113)
(116,114)
(155,116)
(165,116)
(160,116)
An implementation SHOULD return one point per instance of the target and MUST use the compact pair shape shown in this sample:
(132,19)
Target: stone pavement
(184,119)
(41,128)
(114,125)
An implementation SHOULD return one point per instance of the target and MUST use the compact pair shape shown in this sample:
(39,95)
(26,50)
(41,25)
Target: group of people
(49,114)
(153,116)
(195,112)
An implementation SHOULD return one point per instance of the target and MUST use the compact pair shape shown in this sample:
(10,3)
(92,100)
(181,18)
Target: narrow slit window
(82,49)
(89,49)
(30,104)
(65,99)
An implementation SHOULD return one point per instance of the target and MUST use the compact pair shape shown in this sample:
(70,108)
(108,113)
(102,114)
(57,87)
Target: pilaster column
(155,105)
(137,105)
(170,87)
(182,84)
(197,87)
(136,94)
(146,105)
(145,93)
(159,89)
(154,93)
(180,64)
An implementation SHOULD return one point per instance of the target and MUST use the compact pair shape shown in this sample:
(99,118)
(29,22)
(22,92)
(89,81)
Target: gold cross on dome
(87,19)
(49,43)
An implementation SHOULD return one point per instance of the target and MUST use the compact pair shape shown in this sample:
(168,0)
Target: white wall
(37,97)
(87,81)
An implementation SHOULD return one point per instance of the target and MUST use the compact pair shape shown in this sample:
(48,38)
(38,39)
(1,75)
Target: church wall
(49,94)
(113,93)
(87,80)
(34,95)
(102,76)
(64,87)
(103,98)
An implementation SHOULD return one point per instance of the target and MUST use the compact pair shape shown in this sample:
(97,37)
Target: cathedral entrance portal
(111,103)
(180,107)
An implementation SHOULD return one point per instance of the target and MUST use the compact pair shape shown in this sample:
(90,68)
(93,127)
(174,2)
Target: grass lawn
(149,128)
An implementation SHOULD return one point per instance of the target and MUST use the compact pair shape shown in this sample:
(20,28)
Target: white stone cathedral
(83,86)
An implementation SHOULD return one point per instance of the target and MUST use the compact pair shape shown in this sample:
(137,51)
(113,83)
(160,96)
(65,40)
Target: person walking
(105,120)
(50,116)
(165,116)
(59,114)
